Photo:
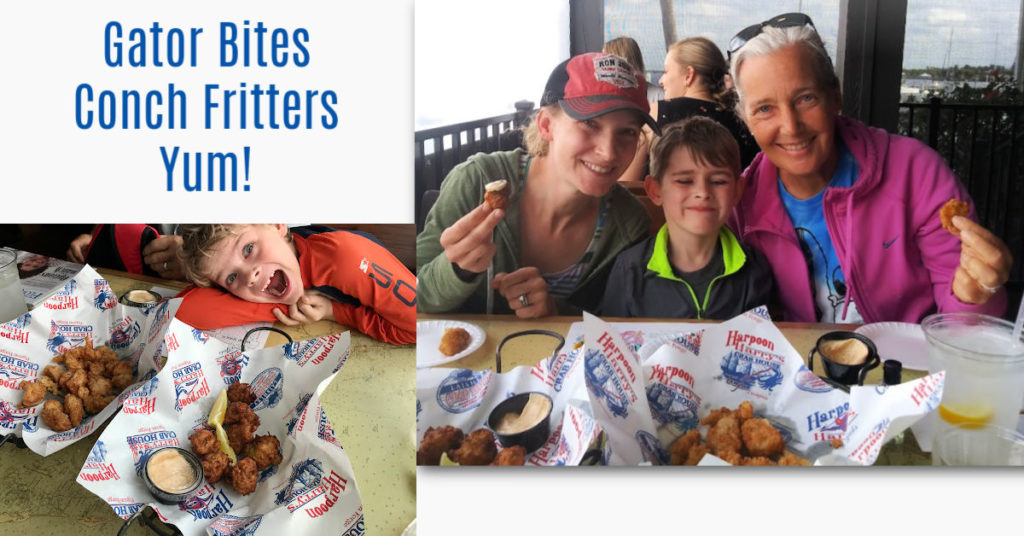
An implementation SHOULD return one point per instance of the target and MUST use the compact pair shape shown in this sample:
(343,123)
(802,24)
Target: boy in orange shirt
(251,272)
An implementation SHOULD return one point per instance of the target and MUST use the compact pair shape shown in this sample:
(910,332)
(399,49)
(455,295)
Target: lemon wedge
(219,409)
(216,420)
(445,460)
(970,416)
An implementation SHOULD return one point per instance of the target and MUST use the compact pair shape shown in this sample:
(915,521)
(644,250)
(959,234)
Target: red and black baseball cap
(593,84)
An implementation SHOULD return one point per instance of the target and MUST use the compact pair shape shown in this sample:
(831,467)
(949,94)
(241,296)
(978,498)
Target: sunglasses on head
(779,21)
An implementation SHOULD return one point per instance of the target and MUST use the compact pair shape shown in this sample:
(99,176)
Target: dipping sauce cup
(172,474)
(140,298)
(522,419)
(984,376)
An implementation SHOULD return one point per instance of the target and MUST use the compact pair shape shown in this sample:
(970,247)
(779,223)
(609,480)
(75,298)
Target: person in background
(628,48)
(159,254)
(696,83)
(694,267)
(566,219)
(847,214)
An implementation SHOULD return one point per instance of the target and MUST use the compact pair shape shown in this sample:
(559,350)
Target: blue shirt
(808,219)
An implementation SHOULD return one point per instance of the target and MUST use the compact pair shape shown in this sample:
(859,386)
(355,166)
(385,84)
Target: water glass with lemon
(984,376)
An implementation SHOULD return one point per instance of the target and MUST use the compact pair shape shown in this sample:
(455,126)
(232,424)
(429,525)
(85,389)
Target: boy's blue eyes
(246,251)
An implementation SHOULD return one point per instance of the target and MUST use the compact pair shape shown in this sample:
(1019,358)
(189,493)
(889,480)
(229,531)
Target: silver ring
(165,266)
(524,300)
(990,290)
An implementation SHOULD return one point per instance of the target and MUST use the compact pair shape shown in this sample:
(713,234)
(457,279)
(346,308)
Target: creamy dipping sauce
(141,296)
(536,408)
(845,352)
(170,471)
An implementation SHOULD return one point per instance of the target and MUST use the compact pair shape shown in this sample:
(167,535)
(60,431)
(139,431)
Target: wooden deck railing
(438,150)
(984,144)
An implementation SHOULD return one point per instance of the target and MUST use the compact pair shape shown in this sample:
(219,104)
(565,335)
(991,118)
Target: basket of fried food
(77,383)
(735,436)
(448,445)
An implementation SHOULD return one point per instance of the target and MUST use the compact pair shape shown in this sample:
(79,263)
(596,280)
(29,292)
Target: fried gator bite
(437,441)
(55,417)
(215,466)
(514,455)
(477,449)
(204,442)
(32,393)
(239,392)
(244,476)
(264,450)
(762,439)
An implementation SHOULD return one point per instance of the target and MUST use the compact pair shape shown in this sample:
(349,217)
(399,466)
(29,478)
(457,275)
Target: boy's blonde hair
(197,241)
(708,141)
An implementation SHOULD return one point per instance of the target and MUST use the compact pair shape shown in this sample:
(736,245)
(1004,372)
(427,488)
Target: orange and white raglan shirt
(371,290)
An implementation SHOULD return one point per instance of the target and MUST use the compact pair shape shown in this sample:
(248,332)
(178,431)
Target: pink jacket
(897,259)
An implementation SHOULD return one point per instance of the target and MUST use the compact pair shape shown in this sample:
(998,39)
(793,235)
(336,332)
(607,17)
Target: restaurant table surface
(370,404)
(528,350)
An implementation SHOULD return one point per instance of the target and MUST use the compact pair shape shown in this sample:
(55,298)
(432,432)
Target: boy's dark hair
(709,142)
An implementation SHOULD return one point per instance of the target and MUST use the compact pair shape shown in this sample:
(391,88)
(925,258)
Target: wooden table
(370,405)
(526,351)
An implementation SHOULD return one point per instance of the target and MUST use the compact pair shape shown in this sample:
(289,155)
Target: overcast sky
(474,58)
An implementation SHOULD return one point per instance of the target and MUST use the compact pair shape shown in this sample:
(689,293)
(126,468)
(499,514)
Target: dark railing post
(523,109)
(934,105)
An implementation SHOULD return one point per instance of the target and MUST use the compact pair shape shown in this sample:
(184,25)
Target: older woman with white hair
(859,205)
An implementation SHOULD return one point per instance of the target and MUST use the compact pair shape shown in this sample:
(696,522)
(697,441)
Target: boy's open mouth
(277,285)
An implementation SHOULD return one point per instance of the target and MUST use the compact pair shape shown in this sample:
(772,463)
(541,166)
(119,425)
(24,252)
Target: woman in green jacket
(566,219)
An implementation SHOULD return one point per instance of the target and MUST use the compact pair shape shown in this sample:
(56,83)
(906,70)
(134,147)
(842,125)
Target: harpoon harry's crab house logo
(231,362)
(559,367)
(124,507)
(140,444)
(267,388)
(313,351)
(65,335)
(606,384)
(160,317)
(294,414)
(15,368)
(190,384)
(229,525)
(16,330)
(206,503)
(805,380)
(123,333)
(303,486)
(96,468)
(324,430)
(674,404)
(104,298)
(11,416)
(142,401)
(463,390)
(743,371)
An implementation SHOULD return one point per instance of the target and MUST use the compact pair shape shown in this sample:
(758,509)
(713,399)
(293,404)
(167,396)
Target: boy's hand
(312,306)
(526,292)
